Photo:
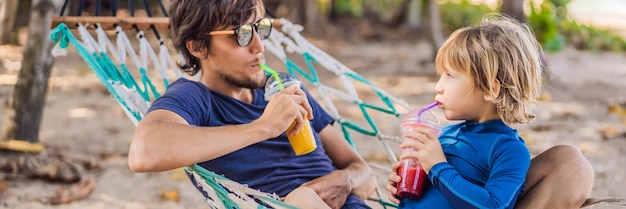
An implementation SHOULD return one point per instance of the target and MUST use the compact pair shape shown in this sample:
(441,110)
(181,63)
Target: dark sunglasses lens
(264,28)
(244,35)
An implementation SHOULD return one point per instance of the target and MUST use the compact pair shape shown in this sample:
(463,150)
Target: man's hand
(285,107)
(333,188)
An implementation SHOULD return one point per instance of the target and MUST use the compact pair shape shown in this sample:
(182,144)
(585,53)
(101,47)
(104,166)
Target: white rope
(324,90)
(245,189)
(125,48)
(148,55)
(214,201)
(292,41)
(295,42)
(105,44)
(58,50)
(241,194)
(167,62)
(88,42)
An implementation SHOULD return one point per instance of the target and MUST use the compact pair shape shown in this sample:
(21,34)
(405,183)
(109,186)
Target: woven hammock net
(137,68)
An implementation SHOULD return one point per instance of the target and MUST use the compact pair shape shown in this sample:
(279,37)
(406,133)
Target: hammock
(134,87)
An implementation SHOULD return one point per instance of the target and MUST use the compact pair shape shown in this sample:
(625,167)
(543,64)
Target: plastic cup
(412,176)
(303,142)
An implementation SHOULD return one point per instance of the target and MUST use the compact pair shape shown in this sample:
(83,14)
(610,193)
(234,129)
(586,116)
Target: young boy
(490,79)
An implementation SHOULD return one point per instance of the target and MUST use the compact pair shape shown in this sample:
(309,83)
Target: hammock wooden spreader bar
(109,23)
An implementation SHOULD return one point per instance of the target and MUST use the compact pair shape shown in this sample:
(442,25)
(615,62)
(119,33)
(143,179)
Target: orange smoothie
(303,142)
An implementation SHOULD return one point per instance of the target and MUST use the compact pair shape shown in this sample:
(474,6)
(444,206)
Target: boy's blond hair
(499,50)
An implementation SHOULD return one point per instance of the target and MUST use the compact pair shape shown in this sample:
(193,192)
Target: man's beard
(246,82)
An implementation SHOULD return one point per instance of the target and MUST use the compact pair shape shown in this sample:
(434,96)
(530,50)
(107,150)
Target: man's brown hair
(192,20)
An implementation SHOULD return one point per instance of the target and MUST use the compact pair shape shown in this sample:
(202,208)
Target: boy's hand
(393,181)
(428,148)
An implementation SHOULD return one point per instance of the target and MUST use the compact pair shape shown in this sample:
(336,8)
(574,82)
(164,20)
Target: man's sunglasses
(244,33)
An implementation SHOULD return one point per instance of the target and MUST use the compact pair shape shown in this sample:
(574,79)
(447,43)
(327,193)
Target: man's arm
(164,140)
(353,175)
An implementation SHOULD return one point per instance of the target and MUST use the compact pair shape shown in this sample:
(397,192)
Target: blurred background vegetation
(549,19)
(400,19)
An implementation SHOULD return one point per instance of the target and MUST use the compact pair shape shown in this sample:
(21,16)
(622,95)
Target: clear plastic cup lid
(272,86)
(414,115)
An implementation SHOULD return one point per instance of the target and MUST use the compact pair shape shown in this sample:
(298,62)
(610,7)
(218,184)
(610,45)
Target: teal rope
(62,35)
(130,82)
(294,69)
(385,204)
(346,135)
(312,77)
(166,83)
(385,99)
(210,177)
(147,85)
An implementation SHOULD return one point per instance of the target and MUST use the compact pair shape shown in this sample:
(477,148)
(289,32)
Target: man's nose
(256,44)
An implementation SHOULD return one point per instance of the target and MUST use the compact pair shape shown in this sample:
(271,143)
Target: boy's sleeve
(510,163)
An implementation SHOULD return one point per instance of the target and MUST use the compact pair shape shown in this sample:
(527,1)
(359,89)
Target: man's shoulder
(186,87)
(185,83)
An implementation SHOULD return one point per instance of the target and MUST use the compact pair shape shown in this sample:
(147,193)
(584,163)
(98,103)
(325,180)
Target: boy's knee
(570,158)
(575,169)
(306,198)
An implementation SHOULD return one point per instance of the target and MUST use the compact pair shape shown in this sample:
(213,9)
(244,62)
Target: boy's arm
(504,183)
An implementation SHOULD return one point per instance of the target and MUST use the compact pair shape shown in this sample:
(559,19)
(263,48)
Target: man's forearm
(361,179)
(160,145)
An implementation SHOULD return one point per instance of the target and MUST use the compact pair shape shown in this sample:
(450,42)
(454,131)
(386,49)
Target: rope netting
(127,76)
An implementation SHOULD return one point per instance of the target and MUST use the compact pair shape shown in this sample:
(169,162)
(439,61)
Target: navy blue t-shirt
(270,165)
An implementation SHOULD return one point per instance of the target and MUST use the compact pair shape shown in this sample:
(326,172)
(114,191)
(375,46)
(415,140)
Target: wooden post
(109,23)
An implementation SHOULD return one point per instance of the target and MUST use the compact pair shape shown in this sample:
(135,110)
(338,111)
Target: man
(223,123)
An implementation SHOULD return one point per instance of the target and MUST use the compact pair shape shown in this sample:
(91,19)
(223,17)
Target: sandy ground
(82,120)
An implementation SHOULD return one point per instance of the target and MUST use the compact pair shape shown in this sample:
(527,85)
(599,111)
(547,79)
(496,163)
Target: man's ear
(496,92)
(196,53)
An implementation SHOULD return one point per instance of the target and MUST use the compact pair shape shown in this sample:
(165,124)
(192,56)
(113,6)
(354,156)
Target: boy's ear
(496,92)
(196,53)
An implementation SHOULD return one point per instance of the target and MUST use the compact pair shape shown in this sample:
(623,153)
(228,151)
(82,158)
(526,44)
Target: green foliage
(554,30)
(349,8)
(559,3)
(591,38)
(546,26)
(384,8)
(458,14)
(548,20)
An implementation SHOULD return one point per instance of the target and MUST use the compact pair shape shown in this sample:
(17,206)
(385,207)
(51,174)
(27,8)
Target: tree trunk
(436,27)
(8,12)
(514,8)
(400,17)
(414,18)
(312,18)
(24,112)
